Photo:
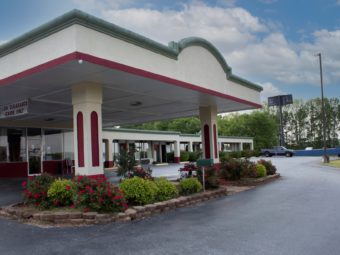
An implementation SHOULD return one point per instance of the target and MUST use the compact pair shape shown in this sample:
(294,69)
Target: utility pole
(325,157)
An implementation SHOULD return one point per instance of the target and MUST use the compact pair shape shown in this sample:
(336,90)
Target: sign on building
(14,109)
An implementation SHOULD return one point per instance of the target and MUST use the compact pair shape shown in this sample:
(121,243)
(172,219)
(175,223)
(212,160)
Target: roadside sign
(280,100)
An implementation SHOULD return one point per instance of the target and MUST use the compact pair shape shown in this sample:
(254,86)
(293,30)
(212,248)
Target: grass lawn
(334,163)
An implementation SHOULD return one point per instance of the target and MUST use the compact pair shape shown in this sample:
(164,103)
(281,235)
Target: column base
(108,164)
(176,159)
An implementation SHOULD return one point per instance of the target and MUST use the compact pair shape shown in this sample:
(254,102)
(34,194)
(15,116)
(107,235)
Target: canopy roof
(142,80)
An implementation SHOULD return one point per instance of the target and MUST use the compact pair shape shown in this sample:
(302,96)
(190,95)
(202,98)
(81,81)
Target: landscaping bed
(74,217)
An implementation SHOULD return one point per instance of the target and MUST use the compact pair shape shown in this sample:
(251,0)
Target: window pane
(53,149)
(16,144)
(68,145)
(3,145)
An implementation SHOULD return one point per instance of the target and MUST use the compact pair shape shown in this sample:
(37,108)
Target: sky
(270,42)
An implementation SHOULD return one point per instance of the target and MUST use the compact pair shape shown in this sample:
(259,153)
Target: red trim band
(215,141)
(80,139)
(206,141)
(121,67)
(94,139)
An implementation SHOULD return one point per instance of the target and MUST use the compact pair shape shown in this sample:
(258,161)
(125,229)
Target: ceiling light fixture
(136,103)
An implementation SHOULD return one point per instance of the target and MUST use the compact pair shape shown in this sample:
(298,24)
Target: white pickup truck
(277,150)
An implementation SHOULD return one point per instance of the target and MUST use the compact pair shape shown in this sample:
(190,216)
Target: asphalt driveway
(298,214)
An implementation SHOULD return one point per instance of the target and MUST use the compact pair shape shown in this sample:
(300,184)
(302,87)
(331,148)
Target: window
(3,145)
(12,145)
(53,148)
(68,145)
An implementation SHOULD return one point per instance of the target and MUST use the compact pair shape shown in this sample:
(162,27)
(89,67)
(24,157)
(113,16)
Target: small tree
(127,162)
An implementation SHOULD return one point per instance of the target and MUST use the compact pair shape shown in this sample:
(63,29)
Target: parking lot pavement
(10,191)
(295,215)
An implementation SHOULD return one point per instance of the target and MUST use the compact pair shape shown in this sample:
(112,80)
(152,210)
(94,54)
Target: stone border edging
(257,181)
(89,218)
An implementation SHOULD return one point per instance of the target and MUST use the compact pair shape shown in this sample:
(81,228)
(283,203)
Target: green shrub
(235,154)
(170,157)
(98,195)
(194,156)
(166,190)
(126,162)
(139,191)
(235,169)
(211,177)
(189,186)
(271,169)
(61,192)
(246,153)
(35,191)
(184,156)
(261,170)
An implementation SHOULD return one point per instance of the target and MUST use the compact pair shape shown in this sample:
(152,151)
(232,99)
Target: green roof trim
(159,132)
(81,18)
(142,131)
(236,137)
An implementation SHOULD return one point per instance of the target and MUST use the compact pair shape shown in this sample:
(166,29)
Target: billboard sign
(280,100)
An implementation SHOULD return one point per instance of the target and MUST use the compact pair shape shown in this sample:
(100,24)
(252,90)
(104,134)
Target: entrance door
(34,140)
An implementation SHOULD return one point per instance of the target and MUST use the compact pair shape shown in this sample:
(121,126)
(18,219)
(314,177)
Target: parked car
(277,150)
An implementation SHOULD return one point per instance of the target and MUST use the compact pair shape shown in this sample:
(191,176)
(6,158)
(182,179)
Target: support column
(241,146)
(87,127)
(190,147)
(252,146)
(177,152)
(209,132)
(108,154)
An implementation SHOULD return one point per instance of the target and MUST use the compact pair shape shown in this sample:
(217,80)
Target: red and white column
(177,152)
(208,117)
(87,126)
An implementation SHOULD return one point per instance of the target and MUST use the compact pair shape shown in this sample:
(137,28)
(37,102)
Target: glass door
(34,140)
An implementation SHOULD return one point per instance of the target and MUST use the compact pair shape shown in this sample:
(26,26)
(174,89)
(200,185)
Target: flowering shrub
(139,191)
(211,177)
(235,169)
(187,170)
(140,172)
(166,189)
(261,170)
(61,192)
(35,191)
(99,195)
(271,169)
(189,186)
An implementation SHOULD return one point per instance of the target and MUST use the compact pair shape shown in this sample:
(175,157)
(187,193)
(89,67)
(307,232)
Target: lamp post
(325,157)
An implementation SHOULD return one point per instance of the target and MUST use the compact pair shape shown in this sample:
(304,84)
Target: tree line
(302,124)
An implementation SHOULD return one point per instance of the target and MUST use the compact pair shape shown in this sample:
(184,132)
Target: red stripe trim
(124,68)
(94,139)
(80,139)
(215,141)
(206,141)
(40,68)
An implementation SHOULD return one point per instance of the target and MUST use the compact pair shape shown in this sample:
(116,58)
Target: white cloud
(227,28)
(269,90)
(2,41)
(254,49)
(95,5)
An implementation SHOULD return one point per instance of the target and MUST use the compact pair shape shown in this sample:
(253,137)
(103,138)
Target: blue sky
(270,42)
